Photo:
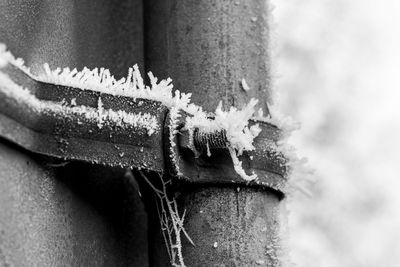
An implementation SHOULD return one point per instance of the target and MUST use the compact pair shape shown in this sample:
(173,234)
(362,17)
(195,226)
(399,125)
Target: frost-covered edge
(99,115)
(235,122)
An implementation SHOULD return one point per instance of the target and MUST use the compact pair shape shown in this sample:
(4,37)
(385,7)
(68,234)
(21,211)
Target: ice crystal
(98,115)
(235,122)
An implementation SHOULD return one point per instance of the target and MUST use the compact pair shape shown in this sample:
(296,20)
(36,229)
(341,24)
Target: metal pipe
(216,50)
(78,214)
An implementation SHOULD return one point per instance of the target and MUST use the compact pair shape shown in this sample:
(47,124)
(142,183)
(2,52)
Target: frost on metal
(98,115)
(238,132)
(235,122)
(172,125)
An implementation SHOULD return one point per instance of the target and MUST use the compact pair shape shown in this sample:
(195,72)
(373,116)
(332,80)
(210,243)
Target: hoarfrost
(238,132)
(99,115)
(235,122)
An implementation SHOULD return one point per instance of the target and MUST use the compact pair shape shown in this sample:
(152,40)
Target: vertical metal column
(207,48)
(79,214)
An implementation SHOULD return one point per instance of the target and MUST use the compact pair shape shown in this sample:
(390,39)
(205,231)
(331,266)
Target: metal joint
(200,157)
(197,157)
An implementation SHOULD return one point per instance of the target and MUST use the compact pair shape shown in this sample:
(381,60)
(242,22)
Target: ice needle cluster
(235,122)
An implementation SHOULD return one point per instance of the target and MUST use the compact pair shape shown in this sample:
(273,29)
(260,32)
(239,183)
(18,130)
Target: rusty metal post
(207,48)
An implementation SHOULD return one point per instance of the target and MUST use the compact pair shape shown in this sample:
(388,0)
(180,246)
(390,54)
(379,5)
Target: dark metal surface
(105,33)
(231,226)
(77,214)
(208,47)
(80,214)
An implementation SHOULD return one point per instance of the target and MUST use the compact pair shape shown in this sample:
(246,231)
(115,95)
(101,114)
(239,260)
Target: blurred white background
(337,68)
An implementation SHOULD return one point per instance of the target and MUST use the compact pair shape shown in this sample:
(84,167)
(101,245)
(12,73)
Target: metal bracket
(74,136)
(194,165)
